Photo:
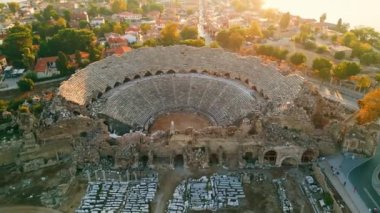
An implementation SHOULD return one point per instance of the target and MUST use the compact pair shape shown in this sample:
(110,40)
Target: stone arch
(93,100)
(171,72)
(246,81)
(108,88)
(193,71)
(254,88)
(100,94)
(159,72)
(117,84)
(148,74)
(227,75)
(307,156)
(179,160)
(237,78)
(144,160)
(204,72)
(136,77)
(213,159)
(126,79)
(249,157)
(270,157)
(289,161)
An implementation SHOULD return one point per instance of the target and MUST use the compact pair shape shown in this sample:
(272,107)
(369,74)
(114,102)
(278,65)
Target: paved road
(347,192)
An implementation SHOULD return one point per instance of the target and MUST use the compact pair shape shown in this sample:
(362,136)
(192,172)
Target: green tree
(285,20)
(118,6)
(13,6)
(254,31)
(25,84)
(189,32)
(16,43)
(235,41)
(341,27)
(2,6)
(346,69)
(145,28)
(150,42)
(169,35)
(340,55)
(269,31)
(363,81)
(69,40)
(377,77)
(297,58)
(67,15)
(322,19)
(323,68)
(28,58)
(62,64)
(370,58)
(31,75)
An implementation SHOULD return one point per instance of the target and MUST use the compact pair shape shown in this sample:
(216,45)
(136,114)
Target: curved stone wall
(103,75)
(138,102)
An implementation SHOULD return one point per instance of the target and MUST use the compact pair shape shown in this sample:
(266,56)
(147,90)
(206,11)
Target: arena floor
(182,121)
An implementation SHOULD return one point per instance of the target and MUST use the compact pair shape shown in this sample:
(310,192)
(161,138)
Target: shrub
(31,75)
(298,58)
(25,84)
(321,49)
(377,77)
(340,55)
(309,45)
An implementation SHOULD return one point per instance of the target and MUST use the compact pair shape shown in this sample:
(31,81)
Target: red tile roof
(118,50)
(41,64)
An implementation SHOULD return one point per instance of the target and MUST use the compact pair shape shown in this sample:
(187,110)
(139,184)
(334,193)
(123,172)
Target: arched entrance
(289,161)
(213,160)
(178,161)
(270,157)
(308,156)
(144,160)
(116,84)
(159,72)
(171,72)
(126,79)
(248,157)
(136,77)
(147,74)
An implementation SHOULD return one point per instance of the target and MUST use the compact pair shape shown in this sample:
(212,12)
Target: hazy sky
(355,12)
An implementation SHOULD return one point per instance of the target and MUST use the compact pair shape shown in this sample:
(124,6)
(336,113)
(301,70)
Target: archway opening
(147,74)
(227,75)
(308,156)
(144,160)
(117,84)
(136,77)
(248,157)
(159,72)
(178,161)
(254,88)
(108,88)
(289,161)
(246,81)
(93,100)
(270,157)
(126,79)
(213,159)
(204,72)
(193,71)
(171,72)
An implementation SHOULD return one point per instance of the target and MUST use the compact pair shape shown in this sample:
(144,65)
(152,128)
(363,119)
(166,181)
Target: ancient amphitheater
(251,113)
